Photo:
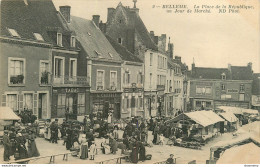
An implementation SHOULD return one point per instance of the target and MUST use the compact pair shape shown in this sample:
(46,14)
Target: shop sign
(99,95)
(232,91)
(71,90)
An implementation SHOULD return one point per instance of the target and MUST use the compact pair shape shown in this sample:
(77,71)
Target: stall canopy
(234,110)
(243,154)
(204,118)
(250,111)
(6,113)
(230,117)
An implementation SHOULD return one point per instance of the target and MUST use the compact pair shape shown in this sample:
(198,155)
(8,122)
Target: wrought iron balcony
(71,80)
(161,87)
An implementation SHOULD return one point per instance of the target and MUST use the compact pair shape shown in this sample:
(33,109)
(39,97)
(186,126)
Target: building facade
(214,87)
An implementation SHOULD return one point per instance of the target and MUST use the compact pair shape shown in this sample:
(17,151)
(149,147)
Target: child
(92,150)
(161,138)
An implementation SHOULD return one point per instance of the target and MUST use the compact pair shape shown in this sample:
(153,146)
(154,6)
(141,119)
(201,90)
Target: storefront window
(81,103)
(198,103)
(61,107)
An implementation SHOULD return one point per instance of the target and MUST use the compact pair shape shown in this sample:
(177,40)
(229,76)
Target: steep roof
(92,39)
(209,73)
(140,28)
(37,17)
(241,73)
(123,52)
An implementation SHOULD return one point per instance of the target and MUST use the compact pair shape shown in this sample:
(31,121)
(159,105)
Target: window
(28,101)
(139,78)
(140,102)
(61,107)
(13,32)
(11,100)
(198,103)
(58,67)
(119,40)
(158,79)
(242,88)
(241,97)
(133,102)
(128,103)
(38,37)
(127,77)
(223,76)
(208,90)
(151,80)
(59,39)
(100,80)
(44,72)
(208,104)
(81,103)
(73,68)
(151,59)
(16,70)
(113,80)
(73,41)
(223,87)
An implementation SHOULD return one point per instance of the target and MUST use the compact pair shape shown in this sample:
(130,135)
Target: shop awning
(250,111)
(204,118)
(234,110)
(6,113)
(243,154)
(230,117)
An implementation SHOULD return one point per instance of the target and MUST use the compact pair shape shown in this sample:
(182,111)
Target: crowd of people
(19,141)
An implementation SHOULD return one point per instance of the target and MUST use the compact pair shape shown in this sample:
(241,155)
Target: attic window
(38,36)
(98,54)
(89,34)
(110,54)
(13,33)
(59,39)
(119,40)
(223,76)
(73,41)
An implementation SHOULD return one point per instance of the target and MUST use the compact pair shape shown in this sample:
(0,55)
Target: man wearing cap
(54,131)
(6,143)
(170,160)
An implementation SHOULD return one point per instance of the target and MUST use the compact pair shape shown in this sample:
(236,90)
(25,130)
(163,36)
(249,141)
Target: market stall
(231,121)
(7,117)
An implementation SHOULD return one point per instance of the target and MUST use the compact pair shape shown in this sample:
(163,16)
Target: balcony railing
(161,87)
(177,90)
(71,80)
(17,79)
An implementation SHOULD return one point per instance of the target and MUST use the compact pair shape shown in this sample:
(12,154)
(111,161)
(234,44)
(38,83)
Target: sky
(210,39)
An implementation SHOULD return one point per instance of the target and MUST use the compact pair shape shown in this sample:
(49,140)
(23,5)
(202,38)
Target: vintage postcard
(129,82)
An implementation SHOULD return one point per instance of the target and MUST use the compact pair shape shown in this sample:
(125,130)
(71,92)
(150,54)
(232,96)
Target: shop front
(68,102)
(105,106)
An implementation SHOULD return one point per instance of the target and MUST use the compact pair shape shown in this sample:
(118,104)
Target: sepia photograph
(129,82)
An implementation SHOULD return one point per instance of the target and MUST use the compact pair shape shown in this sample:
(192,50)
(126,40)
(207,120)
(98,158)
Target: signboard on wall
(232,91)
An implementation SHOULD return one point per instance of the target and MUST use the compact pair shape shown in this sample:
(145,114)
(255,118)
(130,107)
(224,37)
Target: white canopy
(204,118)
(234,110)
(6,113)
(250,111)
(230,117)
(244,154)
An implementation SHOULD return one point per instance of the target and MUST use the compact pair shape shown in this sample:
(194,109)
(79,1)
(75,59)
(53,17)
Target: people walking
(32,148)
(7,144)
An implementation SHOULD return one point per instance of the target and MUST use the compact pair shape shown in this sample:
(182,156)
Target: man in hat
(170,160)
(54,131)
(6,143)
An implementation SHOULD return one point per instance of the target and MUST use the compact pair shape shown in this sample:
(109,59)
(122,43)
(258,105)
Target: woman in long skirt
(20,141)
(142,152)
(32,148)
(83,148)
(134,153)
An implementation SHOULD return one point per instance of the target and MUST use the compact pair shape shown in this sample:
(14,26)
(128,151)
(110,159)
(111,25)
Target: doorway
(42,106)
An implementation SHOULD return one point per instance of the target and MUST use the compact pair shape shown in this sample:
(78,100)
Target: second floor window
(242,88)
(223,87)
(73,68)
(100,80)
(151,59)
(16,68)
(113,79)
(59,39)
(44,70)
(58,67)
(127,78)
(139,78)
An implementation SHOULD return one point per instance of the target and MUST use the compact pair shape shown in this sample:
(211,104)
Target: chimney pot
(95,19)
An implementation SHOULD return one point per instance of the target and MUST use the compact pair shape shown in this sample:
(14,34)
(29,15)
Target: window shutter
(3,100)
(35,104)
(20,102)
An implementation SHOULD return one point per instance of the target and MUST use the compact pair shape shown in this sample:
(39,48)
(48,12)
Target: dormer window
(223,76)
(110,54)
(89,34)
(59,39)
(119,40)
(73,41)
(38,37)
(97,53)
(13,32)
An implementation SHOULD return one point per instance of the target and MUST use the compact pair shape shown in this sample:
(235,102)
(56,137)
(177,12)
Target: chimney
(170,48)
(102,27)
(95,19)
(152,35)
(178,58)
(162,43)
(65,11)
(110,13)
(156,39)
(229,67)
(249,65)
